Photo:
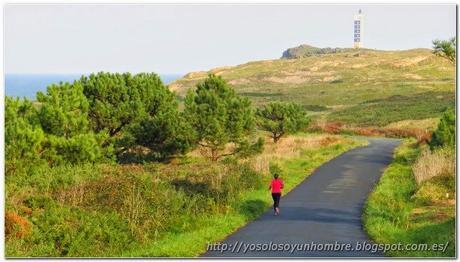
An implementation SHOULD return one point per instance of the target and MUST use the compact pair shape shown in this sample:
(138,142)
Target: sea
(27,85)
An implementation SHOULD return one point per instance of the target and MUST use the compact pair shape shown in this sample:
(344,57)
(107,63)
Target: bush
(16,226)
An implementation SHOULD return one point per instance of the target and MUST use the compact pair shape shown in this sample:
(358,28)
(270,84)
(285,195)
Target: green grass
(341,85)
(110,210)
(394,213)
(381,112)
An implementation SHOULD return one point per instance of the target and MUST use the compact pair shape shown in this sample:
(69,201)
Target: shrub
(332,127)
(445,133)
(16,226)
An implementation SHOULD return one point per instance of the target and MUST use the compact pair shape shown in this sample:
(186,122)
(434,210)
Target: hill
(308,50)
(361,87)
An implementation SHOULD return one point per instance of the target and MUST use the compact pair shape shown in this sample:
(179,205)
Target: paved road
(325,208)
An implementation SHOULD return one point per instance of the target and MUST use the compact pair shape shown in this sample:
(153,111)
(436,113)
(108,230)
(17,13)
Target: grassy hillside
(373,85)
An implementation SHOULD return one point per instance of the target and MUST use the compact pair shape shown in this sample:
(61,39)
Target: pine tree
(63,115)
(219,117)
(24,138)
(281,118)
(444,136)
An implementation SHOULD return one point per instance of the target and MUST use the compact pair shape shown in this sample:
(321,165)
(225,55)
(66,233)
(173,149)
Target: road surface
(326,208)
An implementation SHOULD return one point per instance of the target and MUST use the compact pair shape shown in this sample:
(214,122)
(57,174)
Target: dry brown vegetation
(287,147)
(434,163)
(420,134)
(428,123)
(16,225)
(290,147)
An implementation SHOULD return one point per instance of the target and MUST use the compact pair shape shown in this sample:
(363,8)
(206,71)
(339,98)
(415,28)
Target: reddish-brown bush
(16,226)
(332,127)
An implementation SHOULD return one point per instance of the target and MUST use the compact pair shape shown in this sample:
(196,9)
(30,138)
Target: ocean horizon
(27,85)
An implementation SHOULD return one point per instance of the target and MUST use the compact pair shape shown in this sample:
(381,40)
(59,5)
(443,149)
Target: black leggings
(276,200)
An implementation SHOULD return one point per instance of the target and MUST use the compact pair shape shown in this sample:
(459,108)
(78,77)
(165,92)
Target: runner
(276,185)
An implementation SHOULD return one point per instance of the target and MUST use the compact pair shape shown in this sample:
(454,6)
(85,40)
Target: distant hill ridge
(308,50)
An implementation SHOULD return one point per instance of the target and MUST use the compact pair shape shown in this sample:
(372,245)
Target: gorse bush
(112,210)
(275,169)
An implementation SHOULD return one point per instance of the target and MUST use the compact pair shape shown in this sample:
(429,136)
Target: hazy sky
(184,38)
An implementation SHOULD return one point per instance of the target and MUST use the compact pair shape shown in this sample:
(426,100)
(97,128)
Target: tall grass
(290,147)
(431,164)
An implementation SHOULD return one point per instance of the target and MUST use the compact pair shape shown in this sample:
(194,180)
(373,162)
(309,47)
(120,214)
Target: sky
(177,39)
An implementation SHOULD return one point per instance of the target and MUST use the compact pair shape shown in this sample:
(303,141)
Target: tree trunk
(276,138)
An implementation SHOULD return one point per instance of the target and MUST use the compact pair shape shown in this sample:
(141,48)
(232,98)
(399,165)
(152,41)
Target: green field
(363,87)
